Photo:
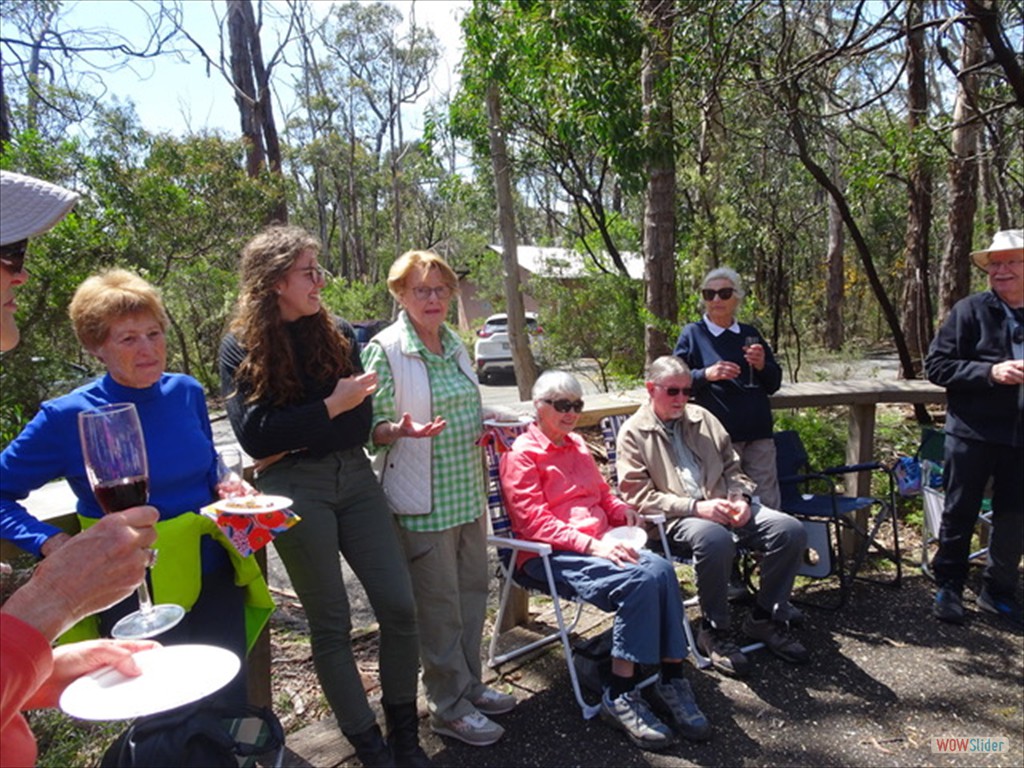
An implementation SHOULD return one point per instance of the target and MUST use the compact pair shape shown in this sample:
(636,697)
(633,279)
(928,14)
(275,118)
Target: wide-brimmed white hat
(1007,240)
(29,206)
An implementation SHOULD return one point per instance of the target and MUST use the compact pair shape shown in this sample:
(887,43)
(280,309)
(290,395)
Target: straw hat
(29,207)
(1007,240)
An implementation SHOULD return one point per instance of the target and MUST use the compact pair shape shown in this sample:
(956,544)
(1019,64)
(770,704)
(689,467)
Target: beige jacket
(648,479)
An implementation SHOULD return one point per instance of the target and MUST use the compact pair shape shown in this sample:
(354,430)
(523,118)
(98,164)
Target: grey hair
(725,273)
(551,383)
(666,366)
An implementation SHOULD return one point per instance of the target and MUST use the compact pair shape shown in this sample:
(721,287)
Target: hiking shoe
(949,606)
(630,713)
(1007,608)
(724,654)
(777,638)
(474,729)
(675,702)
(787,613)
(492,702)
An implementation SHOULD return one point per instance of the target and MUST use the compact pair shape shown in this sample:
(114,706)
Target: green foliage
(596,317)
(355,300)
(64,741)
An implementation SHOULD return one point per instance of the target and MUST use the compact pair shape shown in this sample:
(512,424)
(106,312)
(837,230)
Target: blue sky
(175,96)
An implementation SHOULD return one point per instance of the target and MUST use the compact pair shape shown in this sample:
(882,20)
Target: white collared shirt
(717,330)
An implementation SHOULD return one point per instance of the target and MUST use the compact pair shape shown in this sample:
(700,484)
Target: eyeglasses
(564,406)
(677,391)
(12,256)
(993,266)
(423,293)
(315,274)
(723,293)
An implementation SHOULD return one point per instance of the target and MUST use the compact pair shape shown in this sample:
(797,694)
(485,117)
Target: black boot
(404,736)
(370,748)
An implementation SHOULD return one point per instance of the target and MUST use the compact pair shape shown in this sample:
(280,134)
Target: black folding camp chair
(870,522)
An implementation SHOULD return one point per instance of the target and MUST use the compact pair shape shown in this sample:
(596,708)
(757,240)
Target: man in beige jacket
(677,459)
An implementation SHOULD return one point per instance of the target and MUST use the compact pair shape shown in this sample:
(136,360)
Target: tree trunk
(916,307)
(522,358)
(835,290)
(954,274)
(987,15)
(660,196)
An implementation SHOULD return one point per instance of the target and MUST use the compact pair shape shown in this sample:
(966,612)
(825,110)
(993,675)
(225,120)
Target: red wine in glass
(114,452)
(117,495)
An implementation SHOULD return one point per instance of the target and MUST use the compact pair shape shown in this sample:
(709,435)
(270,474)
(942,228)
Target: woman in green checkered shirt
(427,417)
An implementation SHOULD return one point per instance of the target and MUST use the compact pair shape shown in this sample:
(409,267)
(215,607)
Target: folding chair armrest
(846,468)
(520,545)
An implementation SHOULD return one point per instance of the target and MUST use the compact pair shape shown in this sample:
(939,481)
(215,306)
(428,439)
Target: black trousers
(968,466)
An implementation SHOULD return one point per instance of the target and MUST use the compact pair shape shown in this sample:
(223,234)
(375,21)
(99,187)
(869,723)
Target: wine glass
(748,342)
(115,461)
(230,471)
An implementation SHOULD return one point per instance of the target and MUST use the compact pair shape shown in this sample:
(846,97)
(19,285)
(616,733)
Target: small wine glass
(115,461)
(230,471)
(735,497)
(748,342)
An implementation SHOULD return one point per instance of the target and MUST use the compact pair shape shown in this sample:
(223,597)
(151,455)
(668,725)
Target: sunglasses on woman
(722,293)
(564,406)
(12,256)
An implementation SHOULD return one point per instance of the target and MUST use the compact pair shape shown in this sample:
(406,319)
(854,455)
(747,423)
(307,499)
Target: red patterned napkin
(250,533)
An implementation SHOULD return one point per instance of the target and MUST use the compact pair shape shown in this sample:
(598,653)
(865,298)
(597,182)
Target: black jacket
(975,336)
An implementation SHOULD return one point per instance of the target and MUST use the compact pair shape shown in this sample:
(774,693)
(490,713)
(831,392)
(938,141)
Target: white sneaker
(492,702)
(474,729)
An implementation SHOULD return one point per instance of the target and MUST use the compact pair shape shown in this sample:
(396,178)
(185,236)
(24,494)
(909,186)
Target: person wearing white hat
(978,356)
(28,207)
(97,568)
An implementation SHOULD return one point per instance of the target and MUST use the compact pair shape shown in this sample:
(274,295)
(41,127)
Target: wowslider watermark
(954,745)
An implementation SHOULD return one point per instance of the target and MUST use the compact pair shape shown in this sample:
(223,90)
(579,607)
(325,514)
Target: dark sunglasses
(564,406)
(677,391)
(12,256)
(722,293)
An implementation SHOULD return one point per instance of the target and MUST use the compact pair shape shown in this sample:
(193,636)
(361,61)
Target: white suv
(492,351)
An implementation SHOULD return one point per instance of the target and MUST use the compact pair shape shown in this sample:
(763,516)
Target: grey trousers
(450,581)
(781,537)
(343,509)
(757,459)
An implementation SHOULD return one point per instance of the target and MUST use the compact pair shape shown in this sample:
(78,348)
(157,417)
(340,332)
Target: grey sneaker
(474,729)
(949,606)
(630,713)
(675,702)
(492,702)
(1007,607)
(777,638)
(725,655)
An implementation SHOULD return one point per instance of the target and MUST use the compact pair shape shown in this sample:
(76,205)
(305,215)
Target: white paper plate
(631,535)
(522,421)
(252,505)
(172,675)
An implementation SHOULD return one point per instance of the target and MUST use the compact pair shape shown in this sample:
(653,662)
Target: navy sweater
(744,411)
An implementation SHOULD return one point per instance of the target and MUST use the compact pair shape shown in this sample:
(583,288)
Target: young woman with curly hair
(299,403)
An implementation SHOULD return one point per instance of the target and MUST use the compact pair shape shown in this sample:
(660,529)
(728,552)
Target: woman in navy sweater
(734,371)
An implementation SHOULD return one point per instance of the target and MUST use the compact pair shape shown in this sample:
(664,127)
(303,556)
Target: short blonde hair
(109,296)
(399,273)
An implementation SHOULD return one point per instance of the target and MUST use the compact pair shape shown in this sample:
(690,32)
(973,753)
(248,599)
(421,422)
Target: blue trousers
(644,597)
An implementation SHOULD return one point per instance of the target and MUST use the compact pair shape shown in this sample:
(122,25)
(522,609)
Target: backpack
(593,661)
(200,736)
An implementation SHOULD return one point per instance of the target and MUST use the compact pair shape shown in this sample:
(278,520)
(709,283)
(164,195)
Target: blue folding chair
(864,518)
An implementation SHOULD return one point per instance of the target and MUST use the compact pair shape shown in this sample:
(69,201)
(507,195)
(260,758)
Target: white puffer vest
(405,468)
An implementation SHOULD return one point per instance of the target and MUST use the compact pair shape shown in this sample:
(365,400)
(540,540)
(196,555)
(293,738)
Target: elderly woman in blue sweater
(120,319)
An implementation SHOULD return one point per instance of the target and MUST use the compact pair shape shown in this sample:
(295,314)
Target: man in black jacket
(978,355)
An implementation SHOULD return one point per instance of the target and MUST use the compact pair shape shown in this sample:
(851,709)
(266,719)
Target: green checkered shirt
(457,464)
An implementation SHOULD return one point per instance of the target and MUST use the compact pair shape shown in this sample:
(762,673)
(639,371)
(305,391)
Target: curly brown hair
(269,368)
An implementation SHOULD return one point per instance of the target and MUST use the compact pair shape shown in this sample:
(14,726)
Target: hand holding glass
(748,342)
(115,461)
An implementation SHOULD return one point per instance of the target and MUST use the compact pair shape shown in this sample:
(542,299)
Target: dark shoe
(789,614)
(949,606)
(1007,608)
(675,702)
(724,654)
(371,749)
(777,639)
(404,736)
(630,713)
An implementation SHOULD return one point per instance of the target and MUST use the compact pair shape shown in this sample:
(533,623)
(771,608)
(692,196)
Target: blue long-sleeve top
(179,446)
(744,411)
